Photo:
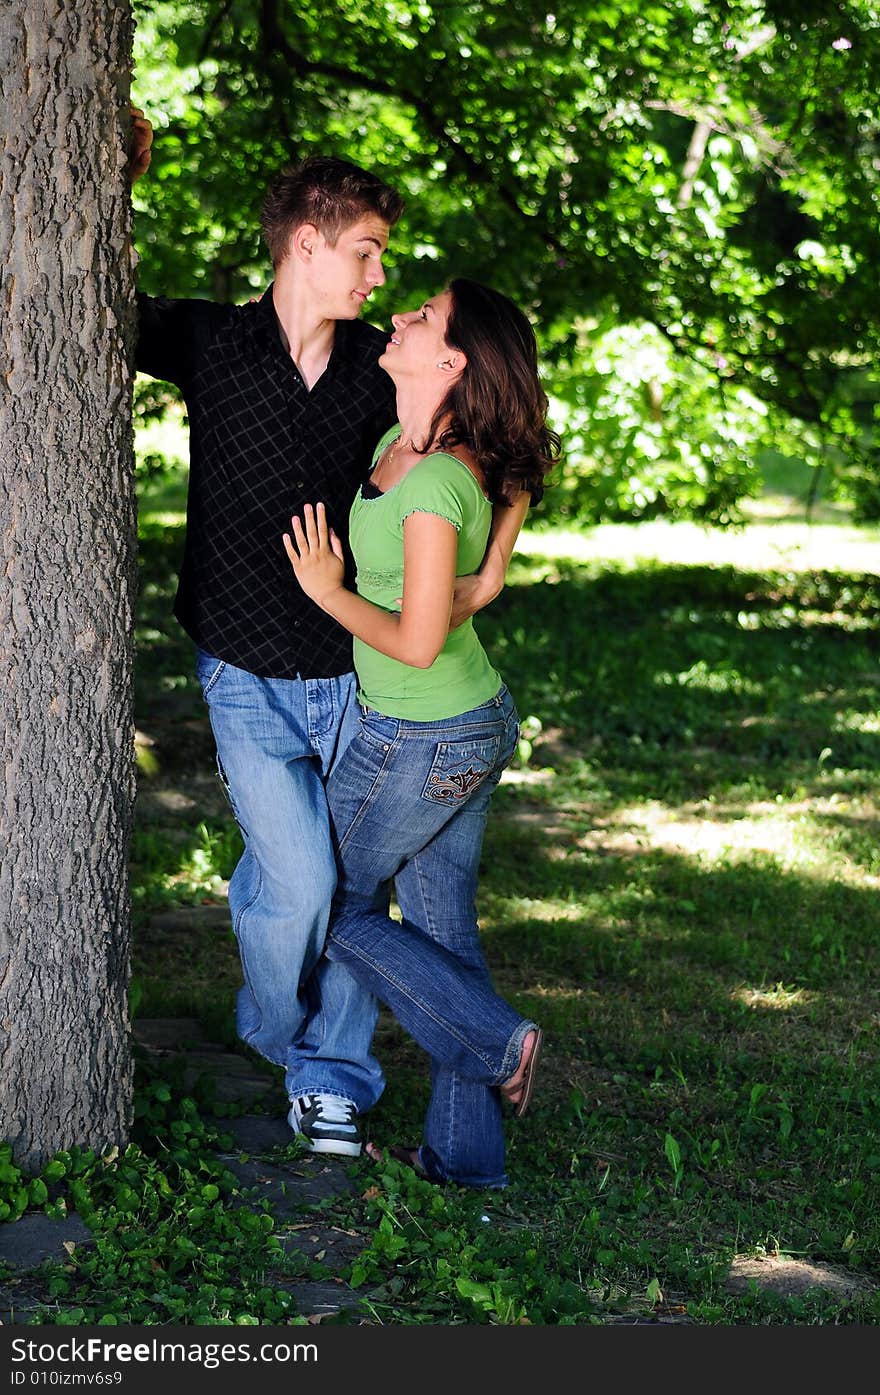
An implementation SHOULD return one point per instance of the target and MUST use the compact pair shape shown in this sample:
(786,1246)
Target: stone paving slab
(20,1299)
(255,1133)
(233,1079)
(237,1077)
(328,1245)
(168,1033)
(319,1298)
(290,1190)
(26,1243)
(25,1246)
(156,802)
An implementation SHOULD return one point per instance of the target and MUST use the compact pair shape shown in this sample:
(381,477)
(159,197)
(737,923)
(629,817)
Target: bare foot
(409,1156)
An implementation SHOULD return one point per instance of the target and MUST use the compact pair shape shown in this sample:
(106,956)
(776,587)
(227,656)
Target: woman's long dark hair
(498,407)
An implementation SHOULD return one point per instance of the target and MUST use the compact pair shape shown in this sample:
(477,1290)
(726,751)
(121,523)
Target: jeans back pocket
(459,768)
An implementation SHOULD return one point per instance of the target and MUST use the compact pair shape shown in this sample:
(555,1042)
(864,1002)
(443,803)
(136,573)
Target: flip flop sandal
(521,1095)
(409,1157)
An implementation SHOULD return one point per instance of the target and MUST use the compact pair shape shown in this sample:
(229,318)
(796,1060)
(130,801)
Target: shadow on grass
(695,678)
(662,669)
(661,926)
(664,682)
(728,998)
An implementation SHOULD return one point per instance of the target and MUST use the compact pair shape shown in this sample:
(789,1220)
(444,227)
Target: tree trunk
(67,517)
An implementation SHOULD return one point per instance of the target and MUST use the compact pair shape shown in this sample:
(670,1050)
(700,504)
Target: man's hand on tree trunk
(139,153)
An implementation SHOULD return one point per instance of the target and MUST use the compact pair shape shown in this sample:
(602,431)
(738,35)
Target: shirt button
(300,484)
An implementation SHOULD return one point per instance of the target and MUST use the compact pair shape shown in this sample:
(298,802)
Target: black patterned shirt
(261,446)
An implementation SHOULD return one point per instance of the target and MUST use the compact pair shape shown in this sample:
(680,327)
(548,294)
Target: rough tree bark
(67,519)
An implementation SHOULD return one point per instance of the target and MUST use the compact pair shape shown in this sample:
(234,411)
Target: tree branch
(275,38)
(211,30)
(693,160)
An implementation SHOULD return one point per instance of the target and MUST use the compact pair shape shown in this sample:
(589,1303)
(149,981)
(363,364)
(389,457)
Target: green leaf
(479,1293)
(673,1152)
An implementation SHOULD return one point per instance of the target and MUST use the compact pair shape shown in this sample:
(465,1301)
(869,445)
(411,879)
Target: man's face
(343,276)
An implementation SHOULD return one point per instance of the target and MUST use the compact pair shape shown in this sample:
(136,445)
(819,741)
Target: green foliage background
(684,196)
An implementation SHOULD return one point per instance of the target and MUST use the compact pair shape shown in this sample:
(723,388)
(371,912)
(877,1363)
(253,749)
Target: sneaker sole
(331,1145)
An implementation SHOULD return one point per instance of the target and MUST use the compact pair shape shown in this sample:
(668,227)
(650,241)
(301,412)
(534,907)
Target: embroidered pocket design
(458,769)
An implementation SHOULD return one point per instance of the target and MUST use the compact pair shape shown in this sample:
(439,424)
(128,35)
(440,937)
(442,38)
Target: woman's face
(418,343)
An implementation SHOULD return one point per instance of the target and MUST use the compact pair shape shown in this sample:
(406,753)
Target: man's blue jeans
(408,801)
(277,741)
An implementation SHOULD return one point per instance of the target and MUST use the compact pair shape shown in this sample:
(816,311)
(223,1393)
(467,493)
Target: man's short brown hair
(328,192)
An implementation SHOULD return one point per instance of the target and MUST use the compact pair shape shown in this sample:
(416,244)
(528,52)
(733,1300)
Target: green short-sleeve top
(461,676)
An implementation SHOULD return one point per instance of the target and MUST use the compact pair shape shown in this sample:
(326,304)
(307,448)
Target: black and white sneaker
(328,1123)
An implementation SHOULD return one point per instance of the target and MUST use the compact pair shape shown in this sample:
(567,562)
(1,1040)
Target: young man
(286,402)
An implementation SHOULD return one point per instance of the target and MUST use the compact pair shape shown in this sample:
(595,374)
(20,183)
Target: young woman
(409,798)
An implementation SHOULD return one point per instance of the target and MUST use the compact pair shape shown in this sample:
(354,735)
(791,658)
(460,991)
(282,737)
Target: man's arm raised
(171,332)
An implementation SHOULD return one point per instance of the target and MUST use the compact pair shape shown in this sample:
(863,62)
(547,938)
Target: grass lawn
(680,882)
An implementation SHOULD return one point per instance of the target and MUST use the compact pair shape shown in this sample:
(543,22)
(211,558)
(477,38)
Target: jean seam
(453,1111)
(322,1090)
(374,742)
(450,734)
(513,1050)
(322,688)
(227,790)
(429,926)
(378,781)
(236,926)
(214,676)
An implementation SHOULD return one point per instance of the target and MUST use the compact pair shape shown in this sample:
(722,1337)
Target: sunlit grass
(779,998)
(178,864)
(714,835)
(759,546)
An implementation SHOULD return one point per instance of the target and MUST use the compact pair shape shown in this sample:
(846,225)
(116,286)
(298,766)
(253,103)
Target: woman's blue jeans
(408,803)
